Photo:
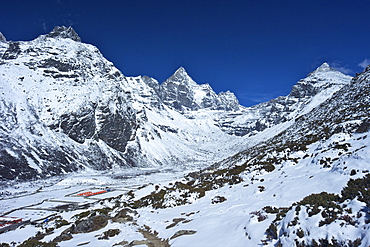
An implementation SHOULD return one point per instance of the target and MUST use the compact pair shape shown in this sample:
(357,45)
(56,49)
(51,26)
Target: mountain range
(65,107)
(292,171)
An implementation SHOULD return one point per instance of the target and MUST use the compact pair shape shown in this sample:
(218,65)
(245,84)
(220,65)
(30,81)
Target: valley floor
(38,201)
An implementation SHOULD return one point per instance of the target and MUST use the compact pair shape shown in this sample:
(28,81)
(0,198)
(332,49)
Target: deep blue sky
(256,49)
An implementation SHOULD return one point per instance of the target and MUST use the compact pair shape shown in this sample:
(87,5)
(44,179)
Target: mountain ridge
(67,92)
(64,32)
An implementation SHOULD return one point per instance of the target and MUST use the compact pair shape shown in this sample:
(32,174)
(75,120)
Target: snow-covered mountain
(293,171)
(306,186)
(304,96)
(64,107)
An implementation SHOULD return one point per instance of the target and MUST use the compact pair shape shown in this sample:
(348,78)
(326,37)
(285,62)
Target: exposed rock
(302,90)
(123,216)
(183,232)
(364,126)
(141,242)
(12,52)
(80,126)
(125,243)
(152,238)
(176,91)
(116,128)
(218,199)
(109,233)
(61,66)
(64,32)
(84,243)
(2,38)
(64,236)
(90,224)
(175,222)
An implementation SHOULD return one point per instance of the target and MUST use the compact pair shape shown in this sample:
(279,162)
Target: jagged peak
(230,101)
(64,32)
(181,72)
(227,93)
(2,38)
(182,77)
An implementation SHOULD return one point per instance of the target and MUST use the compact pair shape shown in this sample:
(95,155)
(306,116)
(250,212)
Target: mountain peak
(2,38)
(64,32)
(321,78)
(324,68)
(181,72)
(325,65)
(182,77)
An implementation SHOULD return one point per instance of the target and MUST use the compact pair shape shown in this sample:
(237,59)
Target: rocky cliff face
(64,107)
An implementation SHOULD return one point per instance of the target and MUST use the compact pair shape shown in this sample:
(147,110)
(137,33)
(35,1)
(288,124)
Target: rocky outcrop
(2,38)
(12,52)
(90,224)
(124,215)
(64,32)
(183,232)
